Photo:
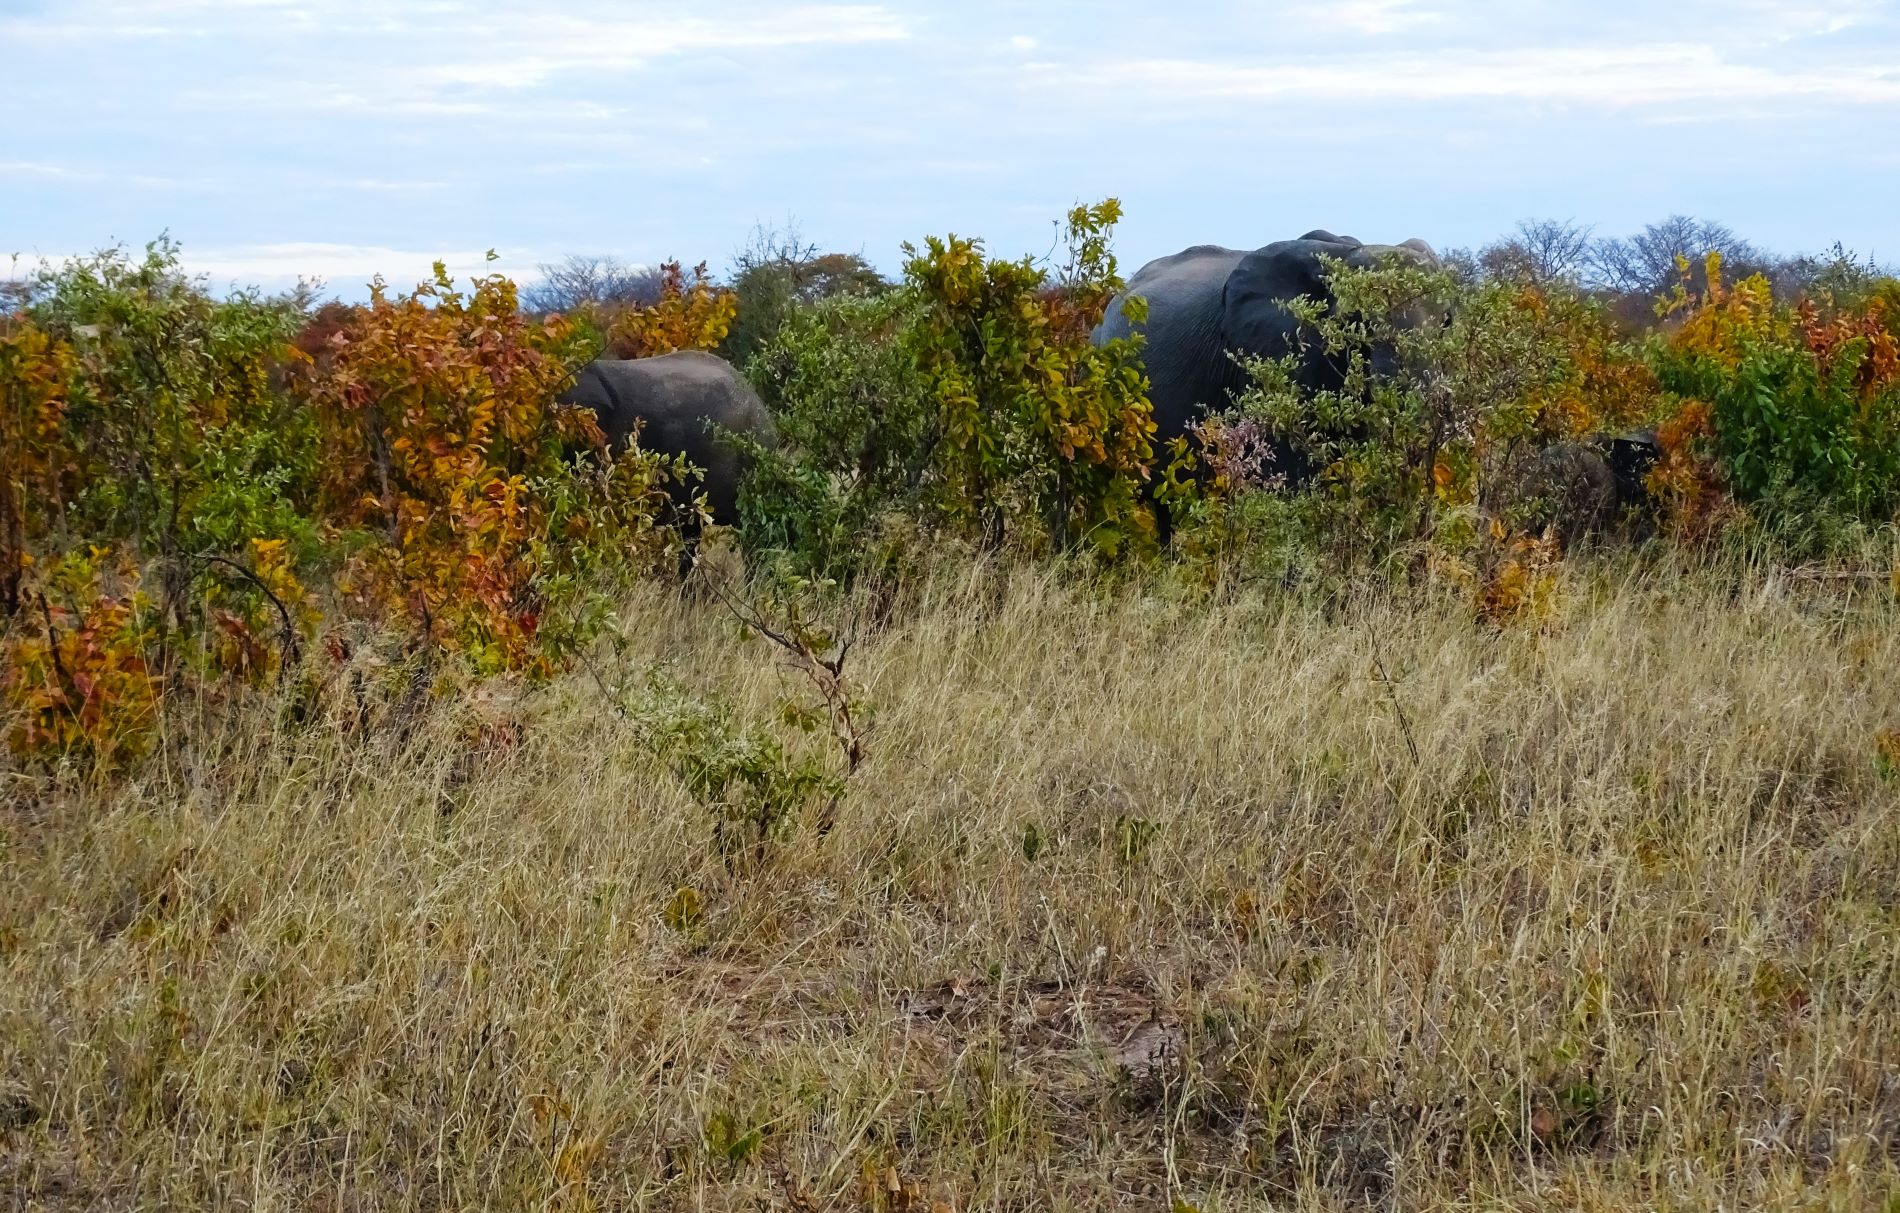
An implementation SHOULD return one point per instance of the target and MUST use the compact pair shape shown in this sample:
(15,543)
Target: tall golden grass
(1276,903)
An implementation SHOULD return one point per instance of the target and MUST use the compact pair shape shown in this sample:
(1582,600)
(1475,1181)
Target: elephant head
(1208,303)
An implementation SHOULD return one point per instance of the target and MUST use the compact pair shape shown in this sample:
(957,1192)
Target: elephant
(1206,301)
(1578,488)
(678,403)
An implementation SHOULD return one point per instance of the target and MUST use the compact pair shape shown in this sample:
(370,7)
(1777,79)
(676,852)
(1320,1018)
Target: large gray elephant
(679,403)
(1208,301)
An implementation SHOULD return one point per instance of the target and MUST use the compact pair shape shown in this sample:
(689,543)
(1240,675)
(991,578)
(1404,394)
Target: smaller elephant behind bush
(1574,489)
(679,404)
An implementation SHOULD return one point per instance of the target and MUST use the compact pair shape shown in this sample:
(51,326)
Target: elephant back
(1176,287)
(1188,370)
(678,403)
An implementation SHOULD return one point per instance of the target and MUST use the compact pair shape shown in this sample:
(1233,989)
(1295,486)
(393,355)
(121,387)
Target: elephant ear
(1631,456)
(1254,316)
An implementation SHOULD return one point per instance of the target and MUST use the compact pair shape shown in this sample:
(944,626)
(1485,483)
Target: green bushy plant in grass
(857,432)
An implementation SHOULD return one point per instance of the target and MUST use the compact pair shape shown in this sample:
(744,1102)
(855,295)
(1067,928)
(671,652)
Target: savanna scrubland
(1375,795)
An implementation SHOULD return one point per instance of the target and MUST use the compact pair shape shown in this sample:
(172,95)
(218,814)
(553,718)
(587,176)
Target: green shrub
(969,403)
(179,439)
(741,772)
(1450,388)
(156,429)
(1045,437)
(778,274)
(857,432)
(1804,400)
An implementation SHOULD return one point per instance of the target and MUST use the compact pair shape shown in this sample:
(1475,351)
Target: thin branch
(293,650)
(827,674)
(613,698)
(1392,692)
(52,647)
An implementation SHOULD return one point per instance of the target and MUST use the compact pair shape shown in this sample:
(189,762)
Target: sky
(342,138)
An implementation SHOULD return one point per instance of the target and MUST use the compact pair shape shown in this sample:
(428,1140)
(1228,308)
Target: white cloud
(34,168)
(516,44)
(78,173)
(343,266)
(1600,76)
(379,185)
(531,50)
(1785,22)
(431,58)
(1368,17)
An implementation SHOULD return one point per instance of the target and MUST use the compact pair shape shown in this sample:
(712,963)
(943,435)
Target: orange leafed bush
(1686,480)
(77,677)
(36,373)
(1794,404)
(1600,383)
(442,437)
(260,614)
(1719,321)
(692,314)
(1869,340)
(1522,584)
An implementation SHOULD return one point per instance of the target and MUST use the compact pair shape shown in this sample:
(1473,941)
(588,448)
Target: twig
(293,650)
(52,647)
(1392,692)
(827,674)
(612,697)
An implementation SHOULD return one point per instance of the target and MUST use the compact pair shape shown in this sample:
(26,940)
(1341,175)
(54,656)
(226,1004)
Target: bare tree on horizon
(582,279)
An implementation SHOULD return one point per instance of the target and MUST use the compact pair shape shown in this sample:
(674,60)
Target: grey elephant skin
(1577,489)
(679,403)
(1206,301)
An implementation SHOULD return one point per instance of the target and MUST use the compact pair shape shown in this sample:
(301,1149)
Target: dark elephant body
(1207,302)
(1576,489)
(1186,351)
(678,404)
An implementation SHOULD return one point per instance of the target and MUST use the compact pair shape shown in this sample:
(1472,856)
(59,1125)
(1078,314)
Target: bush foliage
(1451,388)
(193,489)
(690,313)
(1803,401)
(778,275)
(970,400)
(442,439)
(178,471)
(857,432)
(1043,432)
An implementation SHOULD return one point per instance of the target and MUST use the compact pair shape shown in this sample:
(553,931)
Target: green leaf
(684,910)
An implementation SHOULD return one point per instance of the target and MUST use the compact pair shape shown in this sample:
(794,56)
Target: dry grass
(1626,934)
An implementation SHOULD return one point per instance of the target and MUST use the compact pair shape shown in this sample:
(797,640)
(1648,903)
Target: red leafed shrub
(77,673)
(443,445)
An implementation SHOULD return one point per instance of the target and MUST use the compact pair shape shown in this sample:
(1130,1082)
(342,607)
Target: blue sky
(343,137)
